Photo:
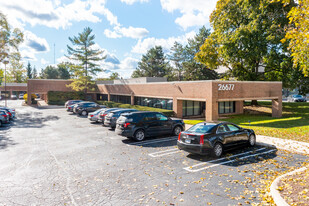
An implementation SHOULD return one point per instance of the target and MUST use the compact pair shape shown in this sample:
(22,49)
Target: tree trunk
(254,103)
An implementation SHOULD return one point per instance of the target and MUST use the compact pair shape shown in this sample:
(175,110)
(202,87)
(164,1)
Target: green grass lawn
(294,123)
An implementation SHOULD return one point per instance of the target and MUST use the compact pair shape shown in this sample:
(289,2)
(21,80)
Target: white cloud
(44,62)
(143,45)
(194,12)
(130,2)
(55,14)
(35,43)
(111,34)
(131,32)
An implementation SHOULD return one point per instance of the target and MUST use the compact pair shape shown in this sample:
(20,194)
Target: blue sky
(124,29)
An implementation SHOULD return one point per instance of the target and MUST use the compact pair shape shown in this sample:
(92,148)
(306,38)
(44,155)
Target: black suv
(111,118)
(85,107)
(139,125)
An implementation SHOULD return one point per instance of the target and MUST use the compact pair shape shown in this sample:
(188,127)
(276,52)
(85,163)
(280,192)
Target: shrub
(59,98)
(168,113)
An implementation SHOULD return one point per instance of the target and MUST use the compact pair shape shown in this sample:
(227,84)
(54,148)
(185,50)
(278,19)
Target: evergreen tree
(153,64)
(63,71)
(34,73)
(83,52)
(29,71)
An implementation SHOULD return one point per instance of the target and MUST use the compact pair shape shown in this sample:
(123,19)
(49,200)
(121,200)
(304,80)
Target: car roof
(123,110)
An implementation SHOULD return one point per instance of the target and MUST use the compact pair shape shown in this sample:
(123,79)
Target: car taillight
(91,115)
(4,115)
(179,136)
(126,125)
(10,113)
(202,139)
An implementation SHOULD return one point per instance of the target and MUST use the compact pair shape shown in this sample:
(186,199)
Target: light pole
(5,62)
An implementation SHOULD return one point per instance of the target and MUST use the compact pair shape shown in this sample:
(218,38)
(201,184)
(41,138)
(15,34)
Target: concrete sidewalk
(285,144)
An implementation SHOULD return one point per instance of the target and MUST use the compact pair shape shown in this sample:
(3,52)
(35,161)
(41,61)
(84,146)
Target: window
(161,117)
(226,107)
(150,117)
(221,129)
(193,108)
(232,127)
(154,102)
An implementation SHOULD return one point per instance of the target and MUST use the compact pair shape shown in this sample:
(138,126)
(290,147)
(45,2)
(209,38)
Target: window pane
(189,108)
(221,107)
(197,108)
(232,127)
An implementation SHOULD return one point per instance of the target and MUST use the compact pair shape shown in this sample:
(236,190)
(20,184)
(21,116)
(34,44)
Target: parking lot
(51,157)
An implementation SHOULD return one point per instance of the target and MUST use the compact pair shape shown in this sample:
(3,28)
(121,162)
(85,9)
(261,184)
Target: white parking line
(226,162)
(165,152)
(153,141)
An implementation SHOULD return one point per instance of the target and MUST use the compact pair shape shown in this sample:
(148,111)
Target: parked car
(111,118)
(4,117)
(37,95)
(296,98)
(21,96)
(84,108)
(214,137)
(71,102)
(94,116)
(139,125)
(103,114)
(13,96)
(11,112)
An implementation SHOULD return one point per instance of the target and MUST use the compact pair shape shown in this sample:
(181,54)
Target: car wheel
(217,150)
(84,113)
(177,130)
(251,140)
(139,135)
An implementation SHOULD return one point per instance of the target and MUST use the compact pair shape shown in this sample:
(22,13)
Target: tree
(63,70)
(114,76)
(16,72)
(9,40)
(298,36)
(247,37)
(29,71)
(153,64)
(34,73)
(177,57)
(194,70)
(50,72)
(83,52)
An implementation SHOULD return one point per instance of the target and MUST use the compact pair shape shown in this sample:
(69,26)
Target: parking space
(51,157)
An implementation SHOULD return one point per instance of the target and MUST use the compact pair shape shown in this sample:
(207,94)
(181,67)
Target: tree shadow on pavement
(32,120)
(4,140)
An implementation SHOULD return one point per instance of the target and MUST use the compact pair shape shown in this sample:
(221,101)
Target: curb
(273,188)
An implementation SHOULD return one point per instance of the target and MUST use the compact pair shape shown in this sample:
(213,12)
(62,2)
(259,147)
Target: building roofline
(201,81)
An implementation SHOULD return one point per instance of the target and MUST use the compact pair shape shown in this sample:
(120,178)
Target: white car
(13,96)
(21,96)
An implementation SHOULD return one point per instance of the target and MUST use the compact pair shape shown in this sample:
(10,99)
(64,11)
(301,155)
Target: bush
(59,98)
(166,112)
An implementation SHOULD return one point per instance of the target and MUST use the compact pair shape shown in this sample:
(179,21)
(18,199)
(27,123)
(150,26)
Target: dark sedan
(213,137)
(111,118)
(103,114)
(71,102)
(85,107)
(139,125)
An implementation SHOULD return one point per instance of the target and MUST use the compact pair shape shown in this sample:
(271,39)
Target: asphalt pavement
(51,157)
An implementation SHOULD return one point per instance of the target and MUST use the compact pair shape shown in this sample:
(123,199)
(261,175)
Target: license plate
(188,141)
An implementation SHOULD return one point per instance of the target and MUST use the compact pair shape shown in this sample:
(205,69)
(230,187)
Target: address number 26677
(226,87)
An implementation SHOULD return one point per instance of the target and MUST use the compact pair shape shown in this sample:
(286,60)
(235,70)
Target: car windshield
(201,128)
(297,96)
